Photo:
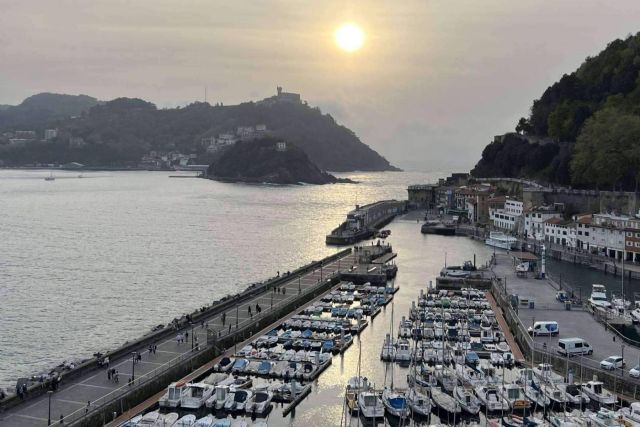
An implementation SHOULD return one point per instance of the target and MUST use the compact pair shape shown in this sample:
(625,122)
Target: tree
(607,152)
(523,127)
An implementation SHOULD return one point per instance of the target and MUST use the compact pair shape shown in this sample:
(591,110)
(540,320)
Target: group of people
(258,310)
(153,348)
(112,374)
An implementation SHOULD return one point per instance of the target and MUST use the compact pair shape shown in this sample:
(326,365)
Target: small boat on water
(445,402)
(514,394)
(500,240)
(186,421)
(545,372)
(598,297)
(370,406)
(573,394)
(50,177)
(419,402)
(438,227)
(466,399)
(632,413)
(207,421)
(220,396)
(388,352)
(195,395)
(173,396)
(605,418)
(395,403)
(491,399)
(596,391)
(260,402)
(156,419)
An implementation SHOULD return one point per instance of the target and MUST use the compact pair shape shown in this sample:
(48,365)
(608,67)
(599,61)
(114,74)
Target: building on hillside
(281,97)
(632,244)
(25,134)
(421,196)
(509,217)
(560,231)
(534,221)
(583,231)
(281,146)
(50,134)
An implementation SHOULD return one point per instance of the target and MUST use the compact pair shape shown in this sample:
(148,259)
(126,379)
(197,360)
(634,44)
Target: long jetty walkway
(89,391)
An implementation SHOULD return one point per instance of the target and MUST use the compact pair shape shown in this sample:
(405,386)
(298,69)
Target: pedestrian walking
(284,291)
(61,419)
(116,376)
(106,361)
(109,374)
(229,327)
(224,318)
(155,348)
(186,335)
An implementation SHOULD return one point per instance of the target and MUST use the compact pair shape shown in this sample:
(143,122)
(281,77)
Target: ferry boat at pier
(500,240)
(438,227)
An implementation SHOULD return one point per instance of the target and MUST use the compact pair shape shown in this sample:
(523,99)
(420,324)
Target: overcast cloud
(432,85)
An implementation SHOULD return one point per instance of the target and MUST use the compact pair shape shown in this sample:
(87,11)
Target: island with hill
(268,160)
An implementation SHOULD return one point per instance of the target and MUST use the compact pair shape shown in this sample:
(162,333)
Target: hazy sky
(433,83)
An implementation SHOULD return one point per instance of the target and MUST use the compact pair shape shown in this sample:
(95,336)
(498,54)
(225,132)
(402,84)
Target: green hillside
(591,121)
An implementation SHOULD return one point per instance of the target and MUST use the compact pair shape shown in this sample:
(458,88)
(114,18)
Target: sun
(349,37)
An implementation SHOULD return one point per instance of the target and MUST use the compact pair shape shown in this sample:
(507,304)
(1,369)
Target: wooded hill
(591,116)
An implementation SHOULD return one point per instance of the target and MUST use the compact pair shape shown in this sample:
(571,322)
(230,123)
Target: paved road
(574,323)
(74,397)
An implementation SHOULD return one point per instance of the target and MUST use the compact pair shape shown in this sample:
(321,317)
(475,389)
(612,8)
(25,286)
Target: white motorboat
(403,351)
(514,394)
(544,371)
(173,396)
(388,352)
(156,419)
(536,396)
(598,297)
(186,421)
(605,418)
(596,391)
(215,378)
(556,396)
(419,402)
(500,240)
(395,403)
(496,359)
(370,405)
(503,347)
(573,393)
(240,398)
(632,413)
(195,395)
(219,397)
(466,399)
(260,402)
(491,398)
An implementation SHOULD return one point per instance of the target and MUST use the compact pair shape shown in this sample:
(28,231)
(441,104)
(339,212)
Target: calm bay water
(87,264)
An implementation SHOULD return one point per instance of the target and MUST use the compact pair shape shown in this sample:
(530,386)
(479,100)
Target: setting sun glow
(349,37)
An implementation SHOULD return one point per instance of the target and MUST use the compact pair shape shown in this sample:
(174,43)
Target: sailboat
(395,402)
(417,397)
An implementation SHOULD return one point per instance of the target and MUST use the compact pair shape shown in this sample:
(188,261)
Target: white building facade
(534,222)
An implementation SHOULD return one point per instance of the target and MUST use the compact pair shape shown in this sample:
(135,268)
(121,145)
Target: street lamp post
(49,418)
(192,337)
(133,365)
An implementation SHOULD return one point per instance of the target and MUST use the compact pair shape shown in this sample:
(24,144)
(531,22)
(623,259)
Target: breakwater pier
(84,395)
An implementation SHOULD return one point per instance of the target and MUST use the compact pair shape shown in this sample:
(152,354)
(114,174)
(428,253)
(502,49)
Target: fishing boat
(596,391)
(355,385)
(403,351)
(395,403)
(514,394)
(260,402)
(573,393)
(195,395)
(445,402)
(491,399)
(173,395)
(500,240)
(466,399)
(419,402)
(370,406)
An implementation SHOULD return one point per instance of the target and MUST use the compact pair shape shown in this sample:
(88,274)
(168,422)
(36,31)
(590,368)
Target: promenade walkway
(77,396)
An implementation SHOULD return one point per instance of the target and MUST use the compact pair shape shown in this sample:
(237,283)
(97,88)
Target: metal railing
(240,328)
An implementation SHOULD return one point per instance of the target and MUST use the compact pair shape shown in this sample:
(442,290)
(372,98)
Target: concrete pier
(86,395)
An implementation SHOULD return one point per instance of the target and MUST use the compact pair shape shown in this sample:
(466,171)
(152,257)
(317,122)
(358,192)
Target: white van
(544,328)
(573,347)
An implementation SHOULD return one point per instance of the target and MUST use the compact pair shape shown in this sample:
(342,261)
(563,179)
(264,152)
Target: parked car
(544,328)
(612,362)
(635,372)
(573,347)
